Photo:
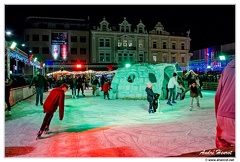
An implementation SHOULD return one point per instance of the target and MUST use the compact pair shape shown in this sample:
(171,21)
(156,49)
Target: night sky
(209,25)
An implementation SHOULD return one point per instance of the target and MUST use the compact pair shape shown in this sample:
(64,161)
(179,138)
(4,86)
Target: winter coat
(172,82)
(106,87)
(55,99)
(150,94)
(96,82)
(193,94)
(225,94)
(39,80)
(73,82)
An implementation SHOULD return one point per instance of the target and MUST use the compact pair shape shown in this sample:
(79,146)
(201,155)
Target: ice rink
(95,127)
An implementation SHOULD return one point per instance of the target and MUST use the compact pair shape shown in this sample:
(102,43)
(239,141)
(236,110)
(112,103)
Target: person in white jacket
(171,87)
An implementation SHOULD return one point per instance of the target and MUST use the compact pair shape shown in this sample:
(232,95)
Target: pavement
(95,127)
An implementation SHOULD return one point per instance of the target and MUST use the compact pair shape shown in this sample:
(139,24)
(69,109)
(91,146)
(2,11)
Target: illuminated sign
(59,43)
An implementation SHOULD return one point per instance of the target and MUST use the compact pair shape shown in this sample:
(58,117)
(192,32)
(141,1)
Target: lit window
(155,58)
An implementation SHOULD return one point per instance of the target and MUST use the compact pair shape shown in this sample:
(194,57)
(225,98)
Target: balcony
(127,48)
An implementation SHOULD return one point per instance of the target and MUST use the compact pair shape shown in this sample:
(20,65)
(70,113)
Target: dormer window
(140,27)
(104,25)
(125,26)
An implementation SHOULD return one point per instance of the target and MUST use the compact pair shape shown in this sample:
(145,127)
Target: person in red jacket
(54,100)
(106,87)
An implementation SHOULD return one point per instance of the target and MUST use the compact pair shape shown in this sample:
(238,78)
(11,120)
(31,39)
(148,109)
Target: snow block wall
(130,83)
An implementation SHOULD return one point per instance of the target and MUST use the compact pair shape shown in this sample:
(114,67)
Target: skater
(225,107)
(150,97)
(95,83)
(73,85)
(40,82)
(106,87)
(81,82)
(171,87)
(180,90)
(167,91)
(155,102)
(54,100)
(8,86)
(194,93)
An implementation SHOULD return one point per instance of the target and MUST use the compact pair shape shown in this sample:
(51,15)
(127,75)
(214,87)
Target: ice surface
(95,127)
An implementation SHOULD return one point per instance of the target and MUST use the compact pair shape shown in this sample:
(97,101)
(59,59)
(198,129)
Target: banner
(59,43)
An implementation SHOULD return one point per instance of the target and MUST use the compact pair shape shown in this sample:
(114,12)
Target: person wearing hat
(171,87)
(150,97)
(40,82)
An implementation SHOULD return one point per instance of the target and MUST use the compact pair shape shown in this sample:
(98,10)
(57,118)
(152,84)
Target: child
(194,93)
(180,89)
(150,97)
(106,88)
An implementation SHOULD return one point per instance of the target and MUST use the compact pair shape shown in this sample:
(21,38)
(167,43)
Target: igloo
(130,83)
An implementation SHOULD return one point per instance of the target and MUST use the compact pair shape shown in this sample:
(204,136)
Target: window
(107,56)
(101,42)
(155,58)
(125,43)
(130,43)
(26,37)
(164,58)
(82,50)
(45,50)
(104,42)
(140,57)
(131,59)
(125,57)
(154,44)
(59,26)
(45,38)
(73,38)
(173,59)
(104,56)
(35,50)
(107,42)
(83,39)
(120,57)
(119,43)
(182,46)
(35,37)
(173,45)
(140,43)
(164,45)
(183,60)
(104,27)
(73,50)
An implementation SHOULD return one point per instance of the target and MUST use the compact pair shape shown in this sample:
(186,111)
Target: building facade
(209,58)
(67,42)
(166,48)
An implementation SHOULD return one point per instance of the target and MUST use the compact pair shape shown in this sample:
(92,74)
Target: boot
(169,103)
(46,129)
(198,105)
(39,134)
(191,107)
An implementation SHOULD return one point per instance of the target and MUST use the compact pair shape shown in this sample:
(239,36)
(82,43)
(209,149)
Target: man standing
(95,83)
(54,99)
(40,82)
(171,87)
(8,86)
(225,107)
(81,82)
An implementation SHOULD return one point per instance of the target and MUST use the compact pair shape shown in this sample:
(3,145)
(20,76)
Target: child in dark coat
(150,97)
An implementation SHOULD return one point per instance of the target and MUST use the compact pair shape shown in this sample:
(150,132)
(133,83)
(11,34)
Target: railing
(20,93)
